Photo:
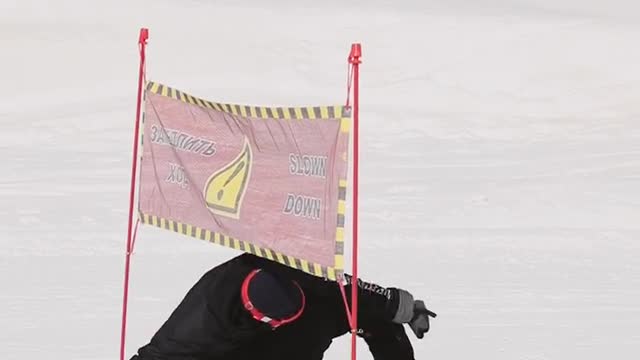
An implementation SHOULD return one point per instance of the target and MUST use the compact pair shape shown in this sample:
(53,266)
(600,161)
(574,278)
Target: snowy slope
(500,179)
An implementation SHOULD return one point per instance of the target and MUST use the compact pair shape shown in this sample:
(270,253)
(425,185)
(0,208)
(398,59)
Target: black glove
(419,324)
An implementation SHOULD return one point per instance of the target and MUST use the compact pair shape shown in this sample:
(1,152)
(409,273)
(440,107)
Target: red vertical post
(354,60)
(142,43)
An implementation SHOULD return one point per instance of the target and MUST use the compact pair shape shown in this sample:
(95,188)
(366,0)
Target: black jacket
(211,324)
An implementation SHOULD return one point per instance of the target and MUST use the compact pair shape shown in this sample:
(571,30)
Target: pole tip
(144,36)
(355,54)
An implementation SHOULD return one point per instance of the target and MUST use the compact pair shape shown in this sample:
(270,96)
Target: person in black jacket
(250,308)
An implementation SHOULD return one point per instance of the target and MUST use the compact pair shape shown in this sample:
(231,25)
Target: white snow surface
(500,175)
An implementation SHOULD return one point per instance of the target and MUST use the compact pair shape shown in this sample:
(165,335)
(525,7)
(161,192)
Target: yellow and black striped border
(340,112)
(342,208)
(332,273)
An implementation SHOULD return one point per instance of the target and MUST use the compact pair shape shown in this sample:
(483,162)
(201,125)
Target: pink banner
(271,181)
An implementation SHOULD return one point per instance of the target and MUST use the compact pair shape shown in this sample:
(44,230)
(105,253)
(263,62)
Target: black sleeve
(388,341)
(374,301)
(377,306)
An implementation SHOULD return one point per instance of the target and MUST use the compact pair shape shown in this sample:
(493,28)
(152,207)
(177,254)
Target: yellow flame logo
(225,188)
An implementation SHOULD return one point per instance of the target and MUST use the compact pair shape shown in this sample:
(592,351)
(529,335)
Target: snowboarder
(250,308)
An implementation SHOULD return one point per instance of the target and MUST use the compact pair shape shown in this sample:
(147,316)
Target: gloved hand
(419,324)
(412,312)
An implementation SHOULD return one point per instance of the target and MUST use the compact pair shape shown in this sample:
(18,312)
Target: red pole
(142,42)
(354,60)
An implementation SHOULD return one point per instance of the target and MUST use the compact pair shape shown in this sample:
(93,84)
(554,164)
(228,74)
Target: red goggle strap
(256,314)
